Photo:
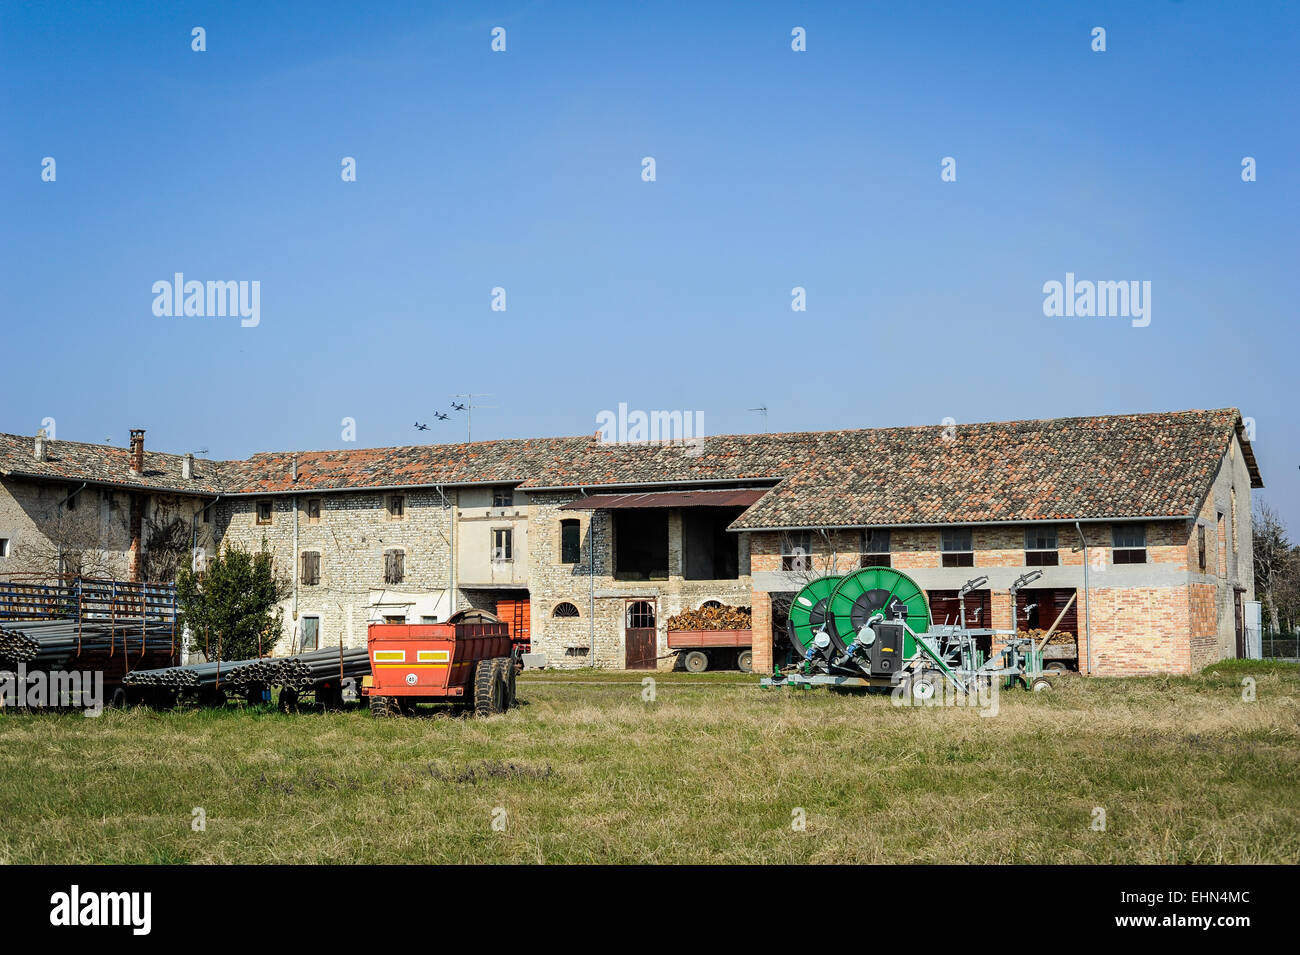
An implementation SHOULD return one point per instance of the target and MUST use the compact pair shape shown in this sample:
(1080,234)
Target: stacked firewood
(1059,638)
(712,618)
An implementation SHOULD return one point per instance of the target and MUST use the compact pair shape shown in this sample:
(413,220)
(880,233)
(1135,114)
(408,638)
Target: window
(640,543)
(310,629)
(313,510)
(958,547)
(310,568)
(565,609)
(570,542)
(503,497)
(394,566)
(394,618)
(263,512)
(396,507)
(71,502)
(503,544)
(1130,544)
(428,619)
(796,551)
(640,615)
(710,604)
(1040,547)
(4,547)
(207,512)
(1200,545)
(875,547)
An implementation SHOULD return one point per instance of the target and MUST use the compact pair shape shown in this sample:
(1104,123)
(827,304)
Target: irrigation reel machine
(872,628)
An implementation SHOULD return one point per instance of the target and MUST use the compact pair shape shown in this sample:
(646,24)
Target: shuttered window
(311,568)
(394,566)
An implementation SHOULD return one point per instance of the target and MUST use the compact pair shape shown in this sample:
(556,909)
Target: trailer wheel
(382,706)
(288,700)
(489,687)
(696,662)
(745,661)
(118,700)
(1055,666)
(508,672)
(925,686)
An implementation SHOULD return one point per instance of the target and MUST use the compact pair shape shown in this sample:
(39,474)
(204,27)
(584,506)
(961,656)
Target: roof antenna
(762,409)
(468,407)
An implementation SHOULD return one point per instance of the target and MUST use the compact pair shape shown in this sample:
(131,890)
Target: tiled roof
(1154,465)
(101,464)
(504,461)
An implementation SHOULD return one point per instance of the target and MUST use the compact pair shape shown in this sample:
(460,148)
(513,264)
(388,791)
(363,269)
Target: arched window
(565,609)
(710,604)
(640,615)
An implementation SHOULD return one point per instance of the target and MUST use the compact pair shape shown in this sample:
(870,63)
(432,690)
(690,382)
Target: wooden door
(1239,623)
(640,636)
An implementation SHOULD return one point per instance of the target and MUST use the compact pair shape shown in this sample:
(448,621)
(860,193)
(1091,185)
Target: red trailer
(700,648)
(471,664)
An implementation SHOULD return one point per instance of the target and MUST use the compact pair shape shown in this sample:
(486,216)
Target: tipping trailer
(872,628)
(468,664)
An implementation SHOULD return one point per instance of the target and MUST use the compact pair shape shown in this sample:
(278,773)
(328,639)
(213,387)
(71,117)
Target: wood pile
(712,618)
(1060,638)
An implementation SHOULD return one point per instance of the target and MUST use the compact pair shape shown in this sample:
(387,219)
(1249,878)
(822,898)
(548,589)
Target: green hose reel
(874,590)
(808,611)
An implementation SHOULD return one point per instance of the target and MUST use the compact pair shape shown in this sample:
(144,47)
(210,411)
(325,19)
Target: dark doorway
(1239,623)
(709,550)
(641,544)
(639,637)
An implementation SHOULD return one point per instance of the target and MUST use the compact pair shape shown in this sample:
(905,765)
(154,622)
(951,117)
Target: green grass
(712,770)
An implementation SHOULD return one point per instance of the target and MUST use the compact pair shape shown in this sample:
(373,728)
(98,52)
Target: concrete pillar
(762,624)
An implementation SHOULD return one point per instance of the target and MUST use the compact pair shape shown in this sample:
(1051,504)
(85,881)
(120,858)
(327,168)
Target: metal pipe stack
(53,643)
(192,676)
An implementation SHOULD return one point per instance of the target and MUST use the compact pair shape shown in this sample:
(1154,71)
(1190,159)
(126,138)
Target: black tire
(696,662)
(382,707)
(1055,666)
(118,700)
(745,661)
(288,700)
(489,687)
(507,666)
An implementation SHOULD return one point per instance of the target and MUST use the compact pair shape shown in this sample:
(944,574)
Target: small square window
(263,512)
(1040,547)
(875,548)
(313,510)
(796,551)
(1129,544)
(503,497)
(396,507)
(958,547)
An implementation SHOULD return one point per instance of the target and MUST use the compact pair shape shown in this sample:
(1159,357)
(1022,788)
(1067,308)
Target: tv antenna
(469,407)
(762,409)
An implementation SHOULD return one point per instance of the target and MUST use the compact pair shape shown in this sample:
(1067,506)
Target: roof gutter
(1013,521)
(581,488)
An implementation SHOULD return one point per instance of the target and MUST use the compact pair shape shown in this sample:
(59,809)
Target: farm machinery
(872,628)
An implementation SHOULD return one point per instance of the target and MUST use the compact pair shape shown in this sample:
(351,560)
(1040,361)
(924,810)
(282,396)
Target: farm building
(589,547)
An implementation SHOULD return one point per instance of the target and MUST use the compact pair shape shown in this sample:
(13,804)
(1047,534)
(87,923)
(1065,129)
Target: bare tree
(71,544)
(1274,559)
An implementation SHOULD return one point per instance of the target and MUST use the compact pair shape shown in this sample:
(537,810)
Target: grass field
(714,770)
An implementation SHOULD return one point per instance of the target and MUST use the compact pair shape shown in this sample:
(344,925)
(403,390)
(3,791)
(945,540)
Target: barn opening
(640,544)
(709,550)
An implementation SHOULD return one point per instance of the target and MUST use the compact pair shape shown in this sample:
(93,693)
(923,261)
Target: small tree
(233,603)
(1274,561)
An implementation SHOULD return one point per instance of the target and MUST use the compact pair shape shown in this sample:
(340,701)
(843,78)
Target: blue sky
(522,169)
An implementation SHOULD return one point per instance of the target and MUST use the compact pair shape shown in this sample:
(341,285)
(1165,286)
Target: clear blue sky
(775,169)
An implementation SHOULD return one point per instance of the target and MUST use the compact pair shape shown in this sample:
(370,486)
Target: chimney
(137,450)
(187,467)
(295,469)
(39,451)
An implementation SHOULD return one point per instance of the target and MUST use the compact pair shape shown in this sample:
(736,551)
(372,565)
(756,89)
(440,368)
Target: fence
(113,601)
(1280,646)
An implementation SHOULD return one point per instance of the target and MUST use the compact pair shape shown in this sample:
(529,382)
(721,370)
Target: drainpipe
(1087,601)
(451,551)
(296,573)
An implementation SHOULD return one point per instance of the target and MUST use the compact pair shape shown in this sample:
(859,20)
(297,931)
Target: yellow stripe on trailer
(389,656)
(411,666)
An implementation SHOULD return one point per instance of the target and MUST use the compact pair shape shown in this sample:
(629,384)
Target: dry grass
(711,771)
